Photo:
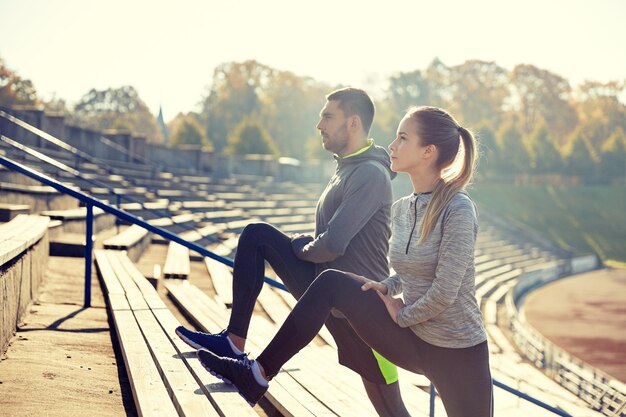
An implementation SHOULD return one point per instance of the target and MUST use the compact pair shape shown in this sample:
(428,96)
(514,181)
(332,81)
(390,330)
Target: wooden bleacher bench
(19,234)
(315,368)
(307,228)
(222,279)
(181,223)
(9,211)
(23,254)
(307,385)
(177,264)
(134,240)
(74,220)
(218,216)
(202,206)
(166,377)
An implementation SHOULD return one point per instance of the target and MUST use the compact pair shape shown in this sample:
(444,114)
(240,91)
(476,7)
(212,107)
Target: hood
(374,153)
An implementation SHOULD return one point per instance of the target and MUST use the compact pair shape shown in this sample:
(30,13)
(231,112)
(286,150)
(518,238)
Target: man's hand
(394,305)
(374,285)
(299,241)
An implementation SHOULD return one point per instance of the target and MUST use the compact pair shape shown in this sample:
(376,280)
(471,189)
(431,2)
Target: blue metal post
(432,401)
(119,206)
(88,254)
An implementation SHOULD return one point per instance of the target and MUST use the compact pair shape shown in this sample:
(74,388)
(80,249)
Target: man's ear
(355,122)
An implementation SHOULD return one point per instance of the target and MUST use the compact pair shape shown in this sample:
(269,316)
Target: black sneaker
(216,343)
(237,372)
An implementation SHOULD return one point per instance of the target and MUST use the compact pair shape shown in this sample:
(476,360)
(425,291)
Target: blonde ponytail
(437,127)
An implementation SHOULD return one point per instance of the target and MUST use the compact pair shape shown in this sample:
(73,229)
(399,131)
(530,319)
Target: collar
(370,142)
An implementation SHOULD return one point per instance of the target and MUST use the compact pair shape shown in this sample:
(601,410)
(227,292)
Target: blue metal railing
(90,202)
(119,197)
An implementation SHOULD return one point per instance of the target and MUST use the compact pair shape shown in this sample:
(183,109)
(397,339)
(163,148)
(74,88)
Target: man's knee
(254,233)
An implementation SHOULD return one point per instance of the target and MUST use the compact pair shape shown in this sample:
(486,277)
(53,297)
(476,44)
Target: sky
(169,50)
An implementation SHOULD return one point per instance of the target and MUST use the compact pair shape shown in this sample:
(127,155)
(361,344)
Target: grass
(584,219)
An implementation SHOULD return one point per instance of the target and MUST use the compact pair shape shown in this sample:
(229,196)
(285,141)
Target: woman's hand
(394,305)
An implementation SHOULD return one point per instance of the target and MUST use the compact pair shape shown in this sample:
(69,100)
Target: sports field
(585,315)
(584,219)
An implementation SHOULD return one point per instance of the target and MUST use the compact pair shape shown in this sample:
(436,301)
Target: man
(352,232)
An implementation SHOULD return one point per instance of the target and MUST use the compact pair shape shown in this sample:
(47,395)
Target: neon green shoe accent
(388,369)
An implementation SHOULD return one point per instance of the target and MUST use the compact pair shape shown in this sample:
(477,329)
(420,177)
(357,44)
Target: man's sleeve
(367,190)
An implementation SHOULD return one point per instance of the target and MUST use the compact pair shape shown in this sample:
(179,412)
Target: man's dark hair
(355,101)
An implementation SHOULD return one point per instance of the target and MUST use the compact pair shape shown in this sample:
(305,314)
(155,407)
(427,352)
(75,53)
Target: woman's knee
(334,281)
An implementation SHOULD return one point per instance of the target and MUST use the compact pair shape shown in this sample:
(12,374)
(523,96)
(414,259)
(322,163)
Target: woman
(437,329)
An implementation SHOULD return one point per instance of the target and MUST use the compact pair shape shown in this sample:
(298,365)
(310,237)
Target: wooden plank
(164,326)
(284,393)
(223,397)
(321,378)
(129,237)
(111,283)
(133,295)
(177,264)
(151,397)
(222,279)
(291,302)
(180,384)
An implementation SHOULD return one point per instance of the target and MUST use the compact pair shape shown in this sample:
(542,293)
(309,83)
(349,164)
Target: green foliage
(513,153)
(14,90)
(250,137)
(580,157)
(488,151)
(315,150)
(187,130)
(286,104)
(586,219)
(545,158)
(114,108)
(613,158)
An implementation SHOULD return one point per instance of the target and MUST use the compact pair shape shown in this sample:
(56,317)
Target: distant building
(163,126)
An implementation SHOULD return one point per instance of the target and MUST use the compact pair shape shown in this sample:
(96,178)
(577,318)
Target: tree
(613,158)
(14,90)
(580,157)
(600,111)
(407,89)
(233,96)
(438,76)
(290,106)
(187,130)
(545,158)
(117,108)
(543,97)
(315,150)
(489,152)
(250,137)
(479,90)
(514,155)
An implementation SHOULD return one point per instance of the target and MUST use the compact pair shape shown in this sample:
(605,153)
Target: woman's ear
(430,151)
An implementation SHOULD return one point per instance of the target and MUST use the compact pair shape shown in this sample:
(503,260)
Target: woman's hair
(437,127)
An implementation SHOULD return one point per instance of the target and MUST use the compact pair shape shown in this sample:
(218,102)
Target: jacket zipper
(406,252)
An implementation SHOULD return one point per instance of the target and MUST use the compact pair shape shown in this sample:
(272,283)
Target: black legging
(260,242)
(461,376)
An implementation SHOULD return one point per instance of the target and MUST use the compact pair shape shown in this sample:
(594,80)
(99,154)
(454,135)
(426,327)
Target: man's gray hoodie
(352,226)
